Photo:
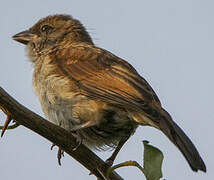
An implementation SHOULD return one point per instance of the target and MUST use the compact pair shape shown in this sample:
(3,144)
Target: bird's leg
(60,152)
(52,146)
(76,133)
(84,125)
(78,137)
(110,160)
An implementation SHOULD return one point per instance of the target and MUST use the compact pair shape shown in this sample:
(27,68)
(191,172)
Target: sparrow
(91,92)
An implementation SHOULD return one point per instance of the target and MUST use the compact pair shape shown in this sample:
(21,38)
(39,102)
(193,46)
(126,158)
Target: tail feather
(184,144)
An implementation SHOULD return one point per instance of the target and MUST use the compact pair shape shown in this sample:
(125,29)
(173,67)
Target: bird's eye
(46,28)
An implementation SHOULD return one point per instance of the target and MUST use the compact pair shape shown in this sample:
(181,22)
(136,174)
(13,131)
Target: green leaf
(152,163)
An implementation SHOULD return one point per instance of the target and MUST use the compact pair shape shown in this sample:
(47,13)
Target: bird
(91,92)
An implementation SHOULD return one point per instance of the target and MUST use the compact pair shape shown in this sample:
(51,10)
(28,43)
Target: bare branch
(56,135)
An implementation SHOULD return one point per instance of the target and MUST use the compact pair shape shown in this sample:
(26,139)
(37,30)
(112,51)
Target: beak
(24,37)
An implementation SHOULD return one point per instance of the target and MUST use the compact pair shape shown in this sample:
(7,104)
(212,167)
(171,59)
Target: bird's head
(51,32)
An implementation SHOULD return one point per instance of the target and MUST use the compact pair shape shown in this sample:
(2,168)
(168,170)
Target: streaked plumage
(92,92)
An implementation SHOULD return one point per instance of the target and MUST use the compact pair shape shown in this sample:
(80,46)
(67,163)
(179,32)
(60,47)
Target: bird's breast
(68,108)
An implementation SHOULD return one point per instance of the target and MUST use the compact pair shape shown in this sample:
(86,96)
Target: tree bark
(57,135)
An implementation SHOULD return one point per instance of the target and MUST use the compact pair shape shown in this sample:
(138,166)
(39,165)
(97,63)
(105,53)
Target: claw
(78,140)
(60,152)
(59,155)
(52,146)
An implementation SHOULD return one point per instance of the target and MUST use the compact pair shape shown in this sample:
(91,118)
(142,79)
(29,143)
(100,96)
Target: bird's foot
(60,153)
(78,137)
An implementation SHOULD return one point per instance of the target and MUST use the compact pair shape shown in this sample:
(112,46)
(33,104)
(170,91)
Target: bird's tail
(180,139)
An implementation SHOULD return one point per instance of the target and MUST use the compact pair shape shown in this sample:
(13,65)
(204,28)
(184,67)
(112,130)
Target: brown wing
(101,75)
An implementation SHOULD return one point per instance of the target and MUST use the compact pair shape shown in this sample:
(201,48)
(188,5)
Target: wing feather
(103,76)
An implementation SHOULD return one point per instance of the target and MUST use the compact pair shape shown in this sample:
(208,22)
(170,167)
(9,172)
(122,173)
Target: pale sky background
(170,43)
